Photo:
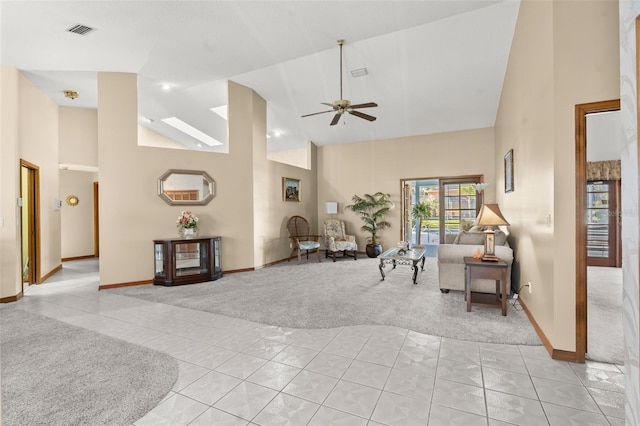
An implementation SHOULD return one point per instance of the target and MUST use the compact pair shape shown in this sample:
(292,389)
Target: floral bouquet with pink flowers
(187,220)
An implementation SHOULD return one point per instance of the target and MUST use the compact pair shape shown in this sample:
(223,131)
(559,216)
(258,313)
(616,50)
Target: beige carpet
(605,338)
(57,374)
(347,292)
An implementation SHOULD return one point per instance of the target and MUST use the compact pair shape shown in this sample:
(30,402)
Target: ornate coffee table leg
(422,266)
(415,272)
(381,266)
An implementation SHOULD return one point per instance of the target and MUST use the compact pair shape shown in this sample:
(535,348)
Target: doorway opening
(452,205)
(597,228)
(29,223)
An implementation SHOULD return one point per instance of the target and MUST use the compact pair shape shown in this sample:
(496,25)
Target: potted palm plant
(421,211)
(372,208)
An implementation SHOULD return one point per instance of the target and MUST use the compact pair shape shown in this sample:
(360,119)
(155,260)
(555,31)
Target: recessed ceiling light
(268,136)
(221,111)
(147,120)
(276,133)
(191,131)
(360,72)
(166,87)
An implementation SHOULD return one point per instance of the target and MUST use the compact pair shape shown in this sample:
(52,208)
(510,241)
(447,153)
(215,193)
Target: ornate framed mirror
(186,187)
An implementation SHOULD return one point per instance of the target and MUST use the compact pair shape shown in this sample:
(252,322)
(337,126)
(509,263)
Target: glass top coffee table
(396,256)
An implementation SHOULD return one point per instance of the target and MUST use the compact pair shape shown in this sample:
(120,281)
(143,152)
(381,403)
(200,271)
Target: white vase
(188,233)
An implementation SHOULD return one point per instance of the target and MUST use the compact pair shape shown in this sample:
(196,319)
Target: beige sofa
(451,260)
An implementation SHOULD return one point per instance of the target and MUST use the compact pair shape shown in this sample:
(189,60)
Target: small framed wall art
(508,171)
(290,189)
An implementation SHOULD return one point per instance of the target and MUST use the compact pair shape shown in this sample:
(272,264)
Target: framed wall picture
(508,171)
(290,189)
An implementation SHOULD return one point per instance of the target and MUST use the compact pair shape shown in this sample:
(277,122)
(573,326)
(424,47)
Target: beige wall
(247,210)
(564,53)
(78,136)
(525,123)
(78,141)
(295,157)
(586,69)
(38,144)
(77,221)
(10,262)
(150,138)
(368,167)
(131,213)
(278,211)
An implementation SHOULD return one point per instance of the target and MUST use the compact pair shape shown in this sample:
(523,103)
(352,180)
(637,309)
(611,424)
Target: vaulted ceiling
(432,66)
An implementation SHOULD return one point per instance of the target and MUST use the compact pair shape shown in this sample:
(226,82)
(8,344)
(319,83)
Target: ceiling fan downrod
(340,106)
(340,43)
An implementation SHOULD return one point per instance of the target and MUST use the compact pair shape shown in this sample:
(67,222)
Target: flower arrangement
(187,220)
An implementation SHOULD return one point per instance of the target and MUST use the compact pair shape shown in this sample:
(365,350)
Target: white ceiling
(604,136)
(434,66)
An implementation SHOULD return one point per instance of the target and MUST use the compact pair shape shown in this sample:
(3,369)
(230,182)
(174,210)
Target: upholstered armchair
(336,240)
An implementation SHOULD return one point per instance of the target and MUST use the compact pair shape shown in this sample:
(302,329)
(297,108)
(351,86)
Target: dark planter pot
(374,250)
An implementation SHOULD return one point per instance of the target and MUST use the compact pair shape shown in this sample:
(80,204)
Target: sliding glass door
(454,205)
(603,239)
(460,203)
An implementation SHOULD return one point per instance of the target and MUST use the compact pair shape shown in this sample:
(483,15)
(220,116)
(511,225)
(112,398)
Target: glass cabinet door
(190,258)
(217,266)
(159,260)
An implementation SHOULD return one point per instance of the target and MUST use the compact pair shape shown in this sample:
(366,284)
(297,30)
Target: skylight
(221,111)
(191,131)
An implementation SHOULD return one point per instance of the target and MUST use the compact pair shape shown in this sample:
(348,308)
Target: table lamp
(490,216)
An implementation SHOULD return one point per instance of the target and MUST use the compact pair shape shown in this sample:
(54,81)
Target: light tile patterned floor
(235,372)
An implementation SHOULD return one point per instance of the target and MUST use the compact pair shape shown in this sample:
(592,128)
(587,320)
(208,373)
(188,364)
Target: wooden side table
(479,269)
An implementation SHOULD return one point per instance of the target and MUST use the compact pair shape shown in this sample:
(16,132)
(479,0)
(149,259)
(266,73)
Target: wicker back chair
(301,237)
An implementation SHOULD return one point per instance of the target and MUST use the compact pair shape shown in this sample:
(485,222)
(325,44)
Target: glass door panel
(454,206)
(460,206)
(602,224)
(159,260)
(424,191)
(191,258)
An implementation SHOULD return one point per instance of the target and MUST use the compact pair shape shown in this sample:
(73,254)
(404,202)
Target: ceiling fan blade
(362,115)
(367,105)
(342,105)
(316,113)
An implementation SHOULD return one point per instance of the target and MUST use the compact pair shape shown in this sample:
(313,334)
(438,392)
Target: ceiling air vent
(80,29)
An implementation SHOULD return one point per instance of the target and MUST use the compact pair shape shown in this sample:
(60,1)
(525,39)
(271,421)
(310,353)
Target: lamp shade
(331,207)
(480,186)
(490,215)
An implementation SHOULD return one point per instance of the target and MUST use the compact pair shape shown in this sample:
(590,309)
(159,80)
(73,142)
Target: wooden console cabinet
(186,261)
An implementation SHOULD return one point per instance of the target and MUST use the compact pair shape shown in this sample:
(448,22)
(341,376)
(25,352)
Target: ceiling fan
(342,105)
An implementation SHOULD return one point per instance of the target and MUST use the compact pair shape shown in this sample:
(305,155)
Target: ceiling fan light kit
(341,106)
(71,94)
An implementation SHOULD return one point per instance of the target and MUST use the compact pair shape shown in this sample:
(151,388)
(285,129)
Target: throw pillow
(466,226)
(501,238)
(470,238)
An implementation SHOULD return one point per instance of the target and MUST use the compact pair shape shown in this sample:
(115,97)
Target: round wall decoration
(72,200)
